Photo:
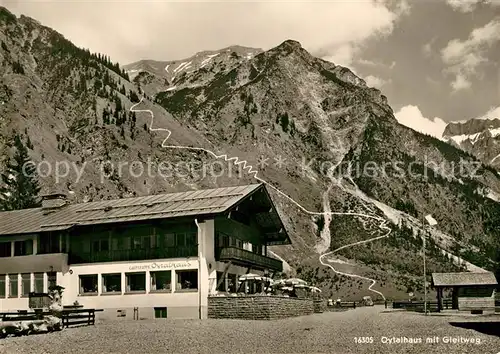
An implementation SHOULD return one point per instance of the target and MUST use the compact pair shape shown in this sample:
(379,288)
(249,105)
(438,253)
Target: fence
(418,306)
(343,304)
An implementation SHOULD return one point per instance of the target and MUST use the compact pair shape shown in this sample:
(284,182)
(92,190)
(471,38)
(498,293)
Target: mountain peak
(291,43)
(288,46)
(472,126)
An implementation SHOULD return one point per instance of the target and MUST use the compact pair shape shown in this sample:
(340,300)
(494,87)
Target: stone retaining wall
(258,307)
(319,306)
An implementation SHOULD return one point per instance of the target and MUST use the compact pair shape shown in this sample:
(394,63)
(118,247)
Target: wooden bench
(70,316)
(73,317)
(23,315)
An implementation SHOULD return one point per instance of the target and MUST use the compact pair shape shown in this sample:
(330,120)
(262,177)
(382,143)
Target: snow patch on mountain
(495,158)
(493,196)
(479,137)
(495,132)
(182,66)
(461,138)
(207,59)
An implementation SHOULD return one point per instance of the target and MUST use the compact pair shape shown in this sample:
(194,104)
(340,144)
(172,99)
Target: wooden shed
(473,292)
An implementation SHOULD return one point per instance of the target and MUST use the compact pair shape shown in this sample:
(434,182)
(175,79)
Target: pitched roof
(465,278)
(161,206)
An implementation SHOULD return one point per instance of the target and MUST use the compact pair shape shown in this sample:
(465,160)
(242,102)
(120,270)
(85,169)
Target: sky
(437,61)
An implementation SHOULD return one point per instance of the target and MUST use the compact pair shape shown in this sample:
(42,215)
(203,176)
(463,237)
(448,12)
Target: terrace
(248,258)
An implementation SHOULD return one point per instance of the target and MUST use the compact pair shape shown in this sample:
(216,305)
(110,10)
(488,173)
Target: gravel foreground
(329,332)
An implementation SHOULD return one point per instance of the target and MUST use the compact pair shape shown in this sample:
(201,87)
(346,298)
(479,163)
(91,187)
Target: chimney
(53,201)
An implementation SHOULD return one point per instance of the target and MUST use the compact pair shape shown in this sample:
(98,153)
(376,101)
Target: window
(219,240)
(161,280)
(170,240)
(160,312)
(5,249)
(86,246)
(49,243)
(88,284)
(104,245)
(63,244)
(25,284)
(111,283)
(52,279)
(191,239)
(223,240)
(136,281)
(187,279)
(100,245)
(120,243)
(141,242)
(13,285)
(155,241)
(146,242)
(2,286)
(38,283)
(257,249)
(221,282)
(232,282)
(180,239)
(23,248)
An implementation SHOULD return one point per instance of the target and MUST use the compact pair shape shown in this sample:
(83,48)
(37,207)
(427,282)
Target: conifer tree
(19,186)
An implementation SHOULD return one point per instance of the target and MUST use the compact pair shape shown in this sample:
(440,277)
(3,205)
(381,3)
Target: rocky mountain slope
(332,144)
(153,76)
(480,137)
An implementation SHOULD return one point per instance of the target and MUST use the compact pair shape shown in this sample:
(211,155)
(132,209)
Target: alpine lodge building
(159,255)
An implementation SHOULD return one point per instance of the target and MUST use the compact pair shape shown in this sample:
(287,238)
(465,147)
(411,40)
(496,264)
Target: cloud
(167,30)
(411,117)
(371,63)
(460,83)
(342,55)
(427,48)
(432,81)
(493,113)
(464,57)
(344,51)
(470,5)
(367,62)
(374,81)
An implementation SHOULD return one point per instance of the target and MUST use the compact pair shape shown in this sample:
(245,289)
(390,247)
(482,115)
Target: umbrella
(250,276)
(300,286)
(257,277)
(315,289)
(295,281)
(279,282)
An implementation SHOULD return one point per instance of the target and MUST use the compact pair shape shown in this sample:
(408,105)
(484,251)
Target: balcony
(55,262)
(247,258)
(133,255)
